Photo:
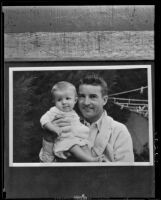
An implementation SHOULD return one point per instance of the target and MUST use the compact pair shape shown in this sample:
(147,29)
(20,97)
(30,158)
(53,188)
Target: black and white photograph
(98,115)
(79,101)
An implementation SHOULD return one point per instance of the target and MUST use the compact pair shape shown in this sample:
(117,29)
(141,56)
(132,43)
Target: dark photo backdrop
(32,98)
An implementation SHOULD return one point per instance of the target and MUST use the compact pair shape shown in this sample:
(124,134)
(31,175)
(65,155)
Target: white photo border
(91,67)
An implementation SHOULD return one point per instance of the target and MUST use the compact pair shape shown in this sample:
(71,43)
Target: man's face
(91,102)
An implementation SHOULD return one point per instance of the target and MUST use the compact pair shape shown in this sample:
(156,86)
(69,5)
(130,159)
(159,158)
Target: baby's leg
(83,153)
(88,151)
(92,153)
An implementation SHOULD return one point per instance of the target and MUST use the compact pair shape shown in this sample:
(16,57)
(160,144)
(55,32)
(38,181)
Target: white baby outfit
(78,136)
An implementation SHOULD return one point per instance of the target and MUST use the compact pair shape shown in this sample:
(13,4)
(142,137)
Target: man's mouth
(87,109)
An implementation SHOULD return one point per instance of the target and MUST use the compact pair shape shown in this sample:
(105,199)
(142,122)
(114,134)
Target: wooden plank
(96,45)
(78,18)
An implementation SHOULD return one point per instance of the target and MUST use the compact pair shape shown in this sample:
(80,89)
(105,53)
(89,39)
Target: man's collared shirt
(94,129)
(111,138)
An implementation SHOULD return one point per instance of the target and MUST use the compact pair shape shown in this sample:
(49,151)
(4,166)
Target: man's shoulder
(118,129)
(116,125)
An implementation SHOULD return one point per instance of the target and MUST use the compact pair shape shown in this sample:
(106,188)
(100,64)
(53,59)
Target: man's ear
(105,98)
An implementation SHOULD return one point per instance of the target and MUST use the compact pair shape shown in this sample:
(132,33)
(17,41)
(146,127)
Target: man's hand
(64,125)
(61,121)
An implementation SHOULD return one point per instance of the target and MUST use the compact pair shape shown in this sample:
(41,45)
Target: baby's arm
(50,132)
(53,122)
(51,127)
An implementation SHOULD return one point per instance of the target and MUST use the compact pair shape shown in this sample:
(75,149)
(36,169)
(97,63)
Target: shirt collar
(97,123)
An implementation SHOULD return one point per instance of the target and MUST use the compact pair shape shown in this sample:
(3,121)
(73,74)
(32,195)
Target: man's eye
(81,95)
(93,96)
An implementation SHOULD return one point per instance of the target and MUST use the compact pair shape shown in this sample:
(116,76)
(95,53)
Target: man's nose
(86,101)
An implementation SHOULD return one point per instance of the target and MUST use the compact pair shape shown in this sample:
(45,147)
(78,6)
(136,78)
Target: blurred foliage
(32,98)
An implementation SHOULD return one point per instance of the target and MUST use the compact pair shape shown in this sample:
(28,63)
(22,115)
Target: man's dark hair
(96,80)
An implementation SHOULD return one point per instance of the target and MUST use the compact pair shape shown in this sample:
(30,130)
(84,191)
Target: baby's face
(65,99)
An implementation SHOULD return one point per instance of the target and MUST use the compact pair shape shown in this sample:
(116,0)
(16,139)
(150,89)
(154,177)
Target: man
(107,136)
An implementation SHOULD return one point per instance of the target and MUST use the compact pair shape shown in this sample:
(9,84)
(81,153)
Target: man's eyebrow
(93,95)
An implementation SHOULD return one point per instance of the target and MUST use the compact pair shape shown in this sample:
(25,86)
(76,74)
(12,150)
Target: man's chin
(87,115)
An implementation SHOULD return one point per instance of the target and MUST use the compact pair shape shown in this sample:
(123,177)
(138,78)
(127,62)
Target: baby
(71,139)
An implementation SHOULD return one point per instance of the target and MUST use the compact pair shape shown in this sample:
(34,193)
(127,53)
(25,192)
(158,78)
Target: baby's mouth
(65,107)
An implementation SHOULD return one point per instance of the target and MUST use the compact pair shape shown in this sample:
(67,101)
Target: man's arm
(59,127)
(123,147)
(49,134)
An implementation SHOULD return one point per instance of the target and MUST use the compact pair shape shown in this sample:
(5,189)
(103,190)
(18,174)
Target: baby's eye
(68,98)
(59,100)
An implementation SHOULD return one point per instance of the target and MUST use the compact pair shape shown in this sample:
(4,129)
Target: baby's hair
(96,80)
(63,85)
